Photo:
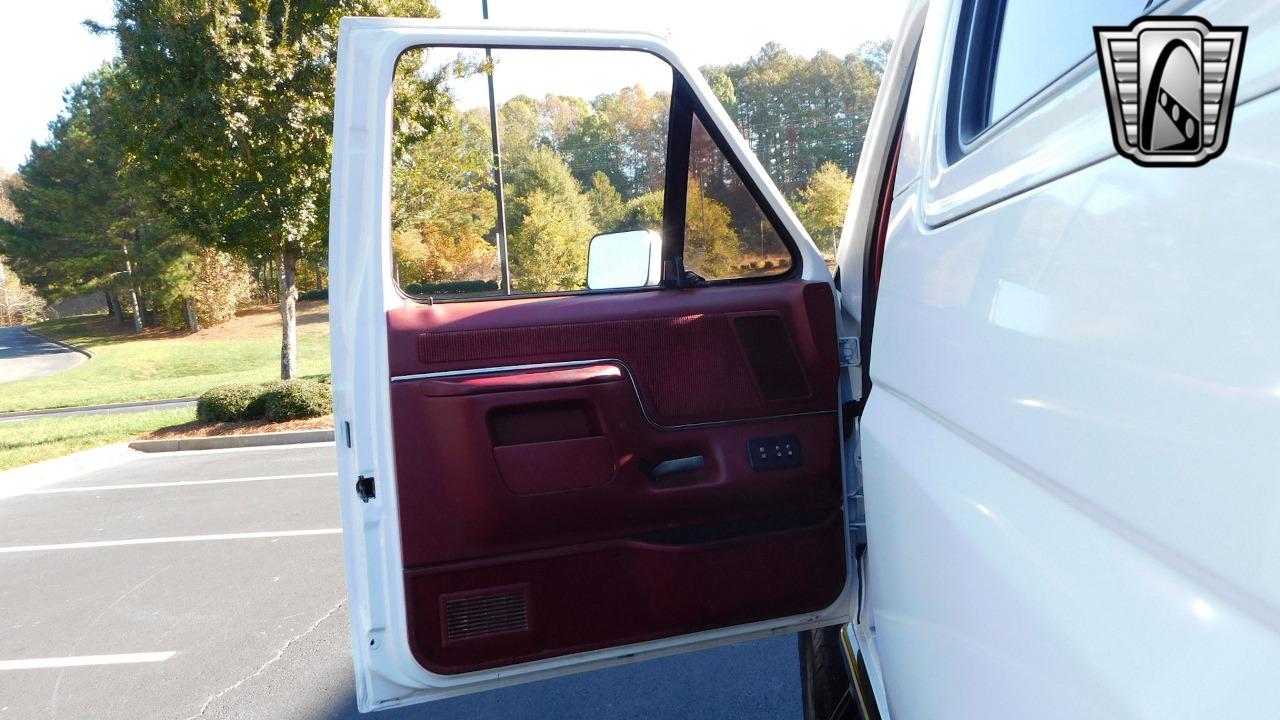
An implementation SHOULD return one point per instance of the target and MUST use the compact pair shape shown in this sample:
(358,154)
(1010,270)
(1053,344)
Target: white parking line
(176,483)
(174,539)
(83,660)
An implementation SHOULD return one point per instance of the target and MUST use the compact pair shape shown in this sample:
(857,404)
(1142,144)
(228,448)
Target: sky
(44,48)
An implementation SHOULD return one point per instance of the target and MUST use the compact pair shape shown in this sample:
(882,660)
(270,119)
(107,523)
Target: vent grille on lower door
(488,613)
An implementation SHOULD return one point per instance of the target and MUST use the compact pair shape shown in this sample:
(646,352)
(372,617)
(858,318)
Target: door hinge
(850,352)
(364,488)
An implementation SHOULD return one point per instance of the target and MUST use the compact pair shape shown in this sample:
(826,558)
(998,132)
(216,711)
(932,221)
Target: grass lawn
(160,364)
(30,441)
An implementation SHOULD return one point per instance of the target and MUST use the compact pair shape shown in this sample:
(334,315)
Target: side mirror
(624,260)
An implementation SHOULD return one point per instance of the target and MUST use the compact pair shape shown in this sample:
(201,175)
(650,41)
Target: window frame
(973,66)
(971,83)
(684,107)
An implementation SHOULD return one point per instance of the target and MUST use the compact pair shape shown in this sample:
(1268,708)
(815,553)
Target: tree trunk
(193,322)
(117,310)
(137,309)
(288,314)
(7,320)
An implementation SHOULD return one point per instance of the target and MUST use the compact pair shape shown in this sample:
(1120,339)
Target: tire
(824,682)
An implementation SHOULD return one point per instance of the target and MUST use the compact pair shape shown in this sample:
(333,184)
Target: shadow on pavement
(760,679)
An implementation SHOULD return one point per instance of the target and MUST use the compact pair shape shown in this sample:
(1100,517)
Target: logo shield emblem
(1170,85)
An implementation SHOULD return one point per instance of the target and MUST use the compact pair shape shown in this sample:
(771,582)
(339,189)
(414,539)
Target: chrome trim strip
(496,370)
(504,369)
(859,683)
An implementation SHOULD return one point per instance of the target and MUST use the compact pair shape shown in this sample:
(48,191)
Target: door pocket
(555,466)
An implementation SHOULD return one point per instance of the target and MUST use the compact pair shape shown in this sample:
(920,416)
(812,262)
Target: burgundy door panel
(699,355)
(527,607)
(530,497)
(543,467)
(455,504)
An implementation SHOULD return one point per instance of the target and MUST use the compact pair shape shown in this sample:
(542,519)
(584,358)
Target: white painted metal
(1069,451)
(915,45)
(361,291)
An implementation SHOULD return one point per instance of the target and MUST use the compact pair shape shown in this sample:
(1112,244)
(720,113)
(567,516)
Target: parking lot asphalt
(24,355)
(210,585)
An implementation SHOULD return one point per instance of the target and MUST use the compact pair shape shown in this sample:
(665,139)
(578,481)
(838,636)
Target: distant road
(24,356)
(139,406)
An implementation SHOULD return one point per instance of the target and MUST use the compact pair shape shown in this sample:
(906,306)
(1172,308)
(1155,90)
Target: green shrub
(276,401)
(228,403)
(297,399)
(320,294)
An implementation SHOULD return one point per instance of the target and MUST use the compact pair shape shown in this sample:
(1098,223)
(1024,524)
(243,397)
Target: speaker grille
(488,613)
(772,356)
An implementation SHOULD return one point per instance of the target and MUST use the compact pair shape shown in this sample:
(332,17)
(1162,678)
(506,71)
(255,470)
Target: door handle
(673,466)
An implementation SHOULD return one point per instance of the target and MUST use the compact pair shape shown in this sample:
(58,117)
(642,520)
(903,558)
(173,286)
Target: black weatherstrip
(676,188)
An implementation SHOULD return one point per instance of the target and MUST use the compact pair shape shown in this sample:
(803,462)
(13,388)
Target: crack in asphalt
(57,683)
(279,654)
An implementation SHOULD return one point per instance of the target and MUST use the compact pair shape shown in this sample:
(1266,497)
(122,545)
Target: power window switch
(774,453)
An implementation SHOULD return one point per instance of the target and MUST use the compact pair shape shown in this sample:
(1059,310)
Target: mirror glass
(624,260)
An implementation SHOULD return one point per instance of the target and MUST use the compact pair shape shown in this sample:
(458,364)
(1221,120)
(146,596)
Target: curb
(74,348)
(15,414)
(218,442)
(26,478)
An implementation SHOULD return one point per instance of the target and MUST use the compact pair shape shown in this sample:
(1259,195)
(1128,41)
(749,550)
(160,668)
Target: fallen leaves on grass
(200,429)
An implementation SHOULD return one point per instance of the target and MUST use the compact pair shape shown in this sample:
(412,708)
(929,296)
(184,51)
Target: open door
(547,468)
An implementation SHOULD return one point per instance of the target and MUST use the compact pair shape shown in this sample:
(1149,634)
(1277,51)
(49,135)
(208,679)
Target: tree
(443,204)
(549,252)
(711,245)
(608,210)
(19,303)
(231,114)
(644,212)
(543,170)
(550,226)
(799,113)
(624,136)
(7,211)
(722,85)
(83,225)
(822,204)
(201,288)
(875,54)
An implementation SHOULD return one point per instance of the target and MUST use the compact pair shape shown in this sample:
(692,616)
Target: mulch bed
(202,429)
